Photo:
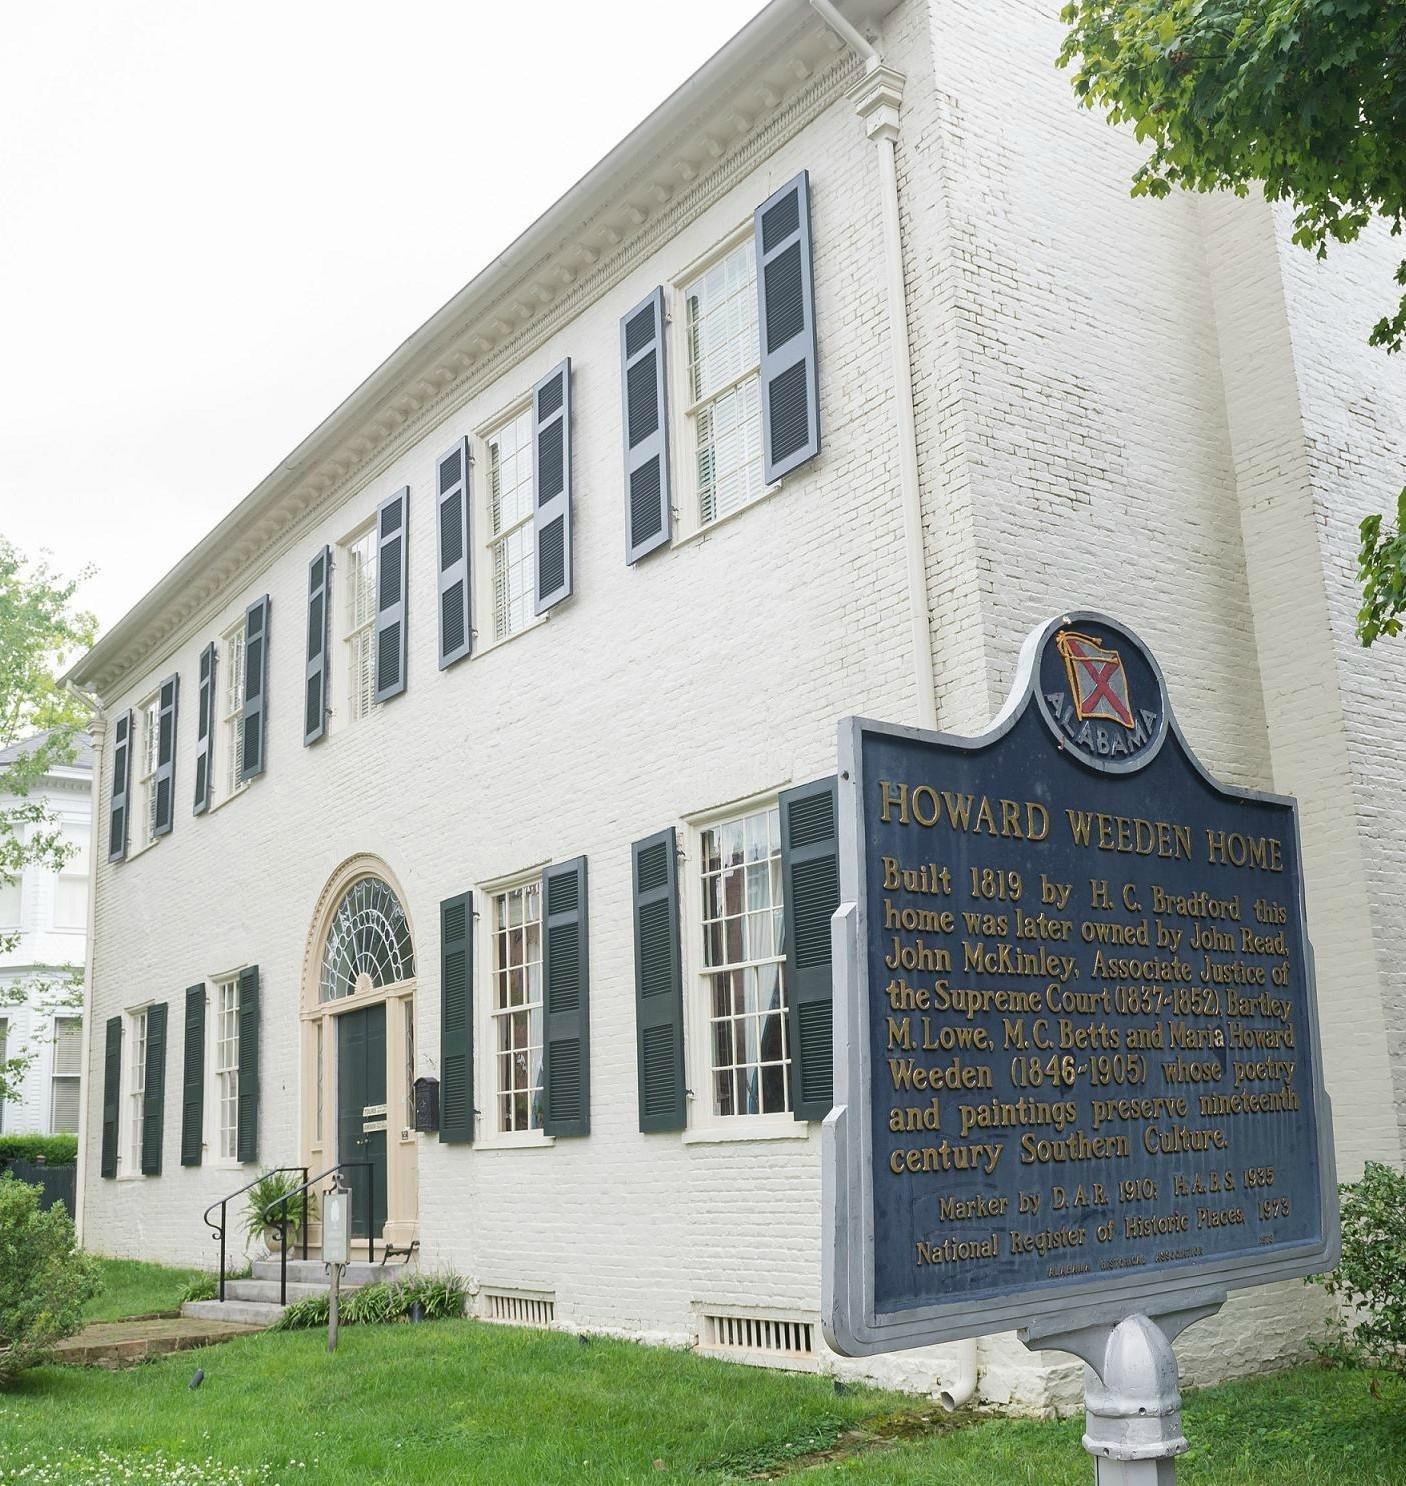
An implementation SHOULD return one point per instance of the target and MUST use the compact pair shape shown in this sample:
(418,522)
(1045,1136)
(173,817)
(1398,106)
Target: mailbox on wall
(427,1105)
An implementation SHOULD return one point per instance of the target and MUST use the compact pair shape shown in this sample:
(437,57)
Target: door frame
(318,1059)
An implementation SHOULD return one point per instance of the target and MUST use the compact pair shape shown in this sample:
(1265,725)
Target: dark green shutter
(551,484)
(164,779)
(205,729)
(247,1130)
(810,881)
(456,1021)
(658,983)
(112,1085)
(154,1090)
(193,1082)
(786,329)
(566,1061)
(254,719)
(648,513)
(319,660)
(455,569)
(392,558)
(121,781)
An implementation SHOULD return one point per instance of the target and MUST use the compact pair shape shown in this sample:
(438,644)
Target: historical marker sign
(1076,1043)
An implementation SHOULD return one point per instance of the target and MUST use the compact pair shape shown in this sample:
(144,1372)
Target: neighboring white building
(45,914)
(468,735)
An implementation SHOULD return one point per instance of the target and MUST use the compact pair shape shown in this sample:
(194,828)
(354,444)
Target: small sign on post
(1078,1086)
(336,1246)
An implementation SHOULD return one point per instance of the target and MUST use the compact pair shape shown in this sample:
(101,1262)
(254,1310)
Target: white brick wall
(1087,437)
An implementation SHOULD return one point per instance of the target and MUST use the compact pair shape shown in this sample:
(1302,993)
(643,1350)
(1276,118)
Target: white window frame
(17,923)
(146,724)
(213,1133)
(490,1134)
(132,1088)
(67,873)
(55,1077)
(485,542)
(228,740)
(687,497)
(356,707)
(703,1126)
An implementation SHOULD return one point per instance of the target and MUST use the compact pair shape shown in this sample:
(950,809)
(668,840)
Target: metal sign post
(1078,1085)
(336,1246)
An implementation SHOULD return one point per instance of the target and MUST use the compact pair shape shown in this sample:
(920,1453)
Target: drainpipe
(97,728)
(877,98)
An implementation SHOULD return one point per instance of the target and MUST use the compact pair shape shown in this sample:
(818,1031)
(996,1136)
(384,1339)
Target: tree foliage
(1371,1275)
(40,630)
(1307,98)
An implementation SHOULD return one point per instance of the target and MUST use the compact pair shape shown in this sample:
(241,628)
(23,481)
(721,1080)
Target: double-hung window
(71,885)
(68,1068)
(226,1065)
(724,411)
(517,1005)
(232,707)
(512,541)
(148,721)
(136,1087)
(743,972)
(359,621)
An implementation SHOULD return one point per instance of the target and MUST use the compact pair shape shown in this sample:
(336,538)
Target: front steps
(254,1302)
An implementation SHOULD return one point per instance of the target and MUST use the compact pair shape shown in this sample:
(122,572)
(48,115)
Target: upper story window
(71,885)
(724,383)
(232,706)
(359,620)
(148,722)
(744,983)
(517,1005)
(511,538)
(11,891)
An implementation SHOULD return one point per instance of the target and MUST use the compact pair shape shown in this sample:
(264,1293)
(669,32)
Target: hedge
(57,1150)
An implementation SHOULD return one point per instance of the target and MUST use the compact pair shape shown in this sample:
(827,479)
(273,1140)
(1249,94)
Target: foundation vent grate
(519,1307)
(768,1339)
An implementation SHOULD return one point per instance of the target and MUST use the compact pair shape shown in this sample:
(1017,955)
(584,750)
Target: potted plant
(261,1222)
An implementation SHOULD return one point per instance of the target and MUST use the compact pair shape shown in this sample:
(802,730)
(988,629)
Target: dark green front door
(361,1109)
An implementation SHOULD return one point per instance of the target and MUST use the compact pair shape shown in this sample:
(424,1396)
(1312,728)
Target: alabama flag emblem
(1096,678)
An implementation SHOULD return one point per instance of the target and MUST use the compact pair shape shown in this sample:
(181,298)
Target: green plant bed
(133,1288)
(465,1401)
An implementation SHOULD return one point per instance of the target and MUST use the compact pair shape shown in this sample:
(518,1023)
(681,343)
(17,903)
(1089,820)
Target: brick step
(314,1272)
(113,1344)
(245,1312)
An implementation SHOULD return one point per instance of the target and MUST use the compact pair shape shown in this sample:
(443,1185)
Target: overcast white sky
(215,220)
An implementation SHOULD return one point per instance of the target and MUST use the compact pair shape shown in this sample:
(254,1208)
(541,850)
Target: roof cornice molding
(732,114)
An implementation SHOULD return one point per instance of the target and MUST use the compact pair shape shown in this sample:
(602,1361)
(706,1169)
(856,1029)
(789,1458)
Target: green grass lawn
(131,1288)
(460,1401)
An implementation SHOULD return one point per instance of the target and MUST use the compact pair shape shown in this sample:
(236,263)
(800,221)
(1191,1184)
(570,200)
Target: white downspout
(877,99)
(97,729)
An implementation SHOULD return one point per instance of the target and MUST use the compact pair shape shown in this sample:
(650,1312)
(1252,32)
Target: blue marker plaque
(1077,1061)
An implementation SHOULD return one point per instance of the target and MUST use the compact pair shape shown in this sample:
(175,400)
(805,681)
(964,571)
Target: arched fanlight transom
(368,942)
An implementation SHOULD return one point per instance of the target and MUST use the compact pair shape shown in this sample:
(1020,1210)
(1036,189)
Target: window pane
(517,1005)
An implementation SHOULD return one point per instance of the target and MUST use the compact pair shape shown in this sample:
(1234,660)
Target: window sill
(515,1140)
(747,1128)
(697,533)
(228,799)
(487,647)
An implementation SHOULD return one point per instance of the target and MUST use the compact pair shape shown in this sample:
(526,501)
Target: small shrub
(44,1280)
(207,1287)
(371,1305)
(303,1313)
(265,1192)
(57,1150)
(1371,1275)
(441,1295)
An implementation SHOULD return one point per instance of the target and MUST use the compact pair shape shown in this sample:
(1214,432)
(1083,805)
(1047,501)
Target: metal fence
(57,1183)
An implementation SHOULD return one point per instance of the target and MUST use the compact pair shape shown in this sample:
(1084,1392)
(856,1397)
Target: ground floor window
(517,1005)
(227,1068)
(68,1068)
(744,981)
(136,1087)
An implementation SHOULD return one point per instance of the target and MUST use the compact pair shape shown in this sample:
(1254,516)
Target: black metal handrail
(281,1203)
(218,1231)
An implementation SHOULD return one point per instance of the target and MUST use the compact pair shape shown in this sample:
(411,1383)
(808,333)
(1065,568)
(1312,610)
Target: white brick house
(44,923)
(1049,396)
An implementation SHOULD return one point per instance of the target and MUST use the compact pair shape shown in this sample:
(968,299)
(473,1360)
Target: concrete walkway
(116,1344)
